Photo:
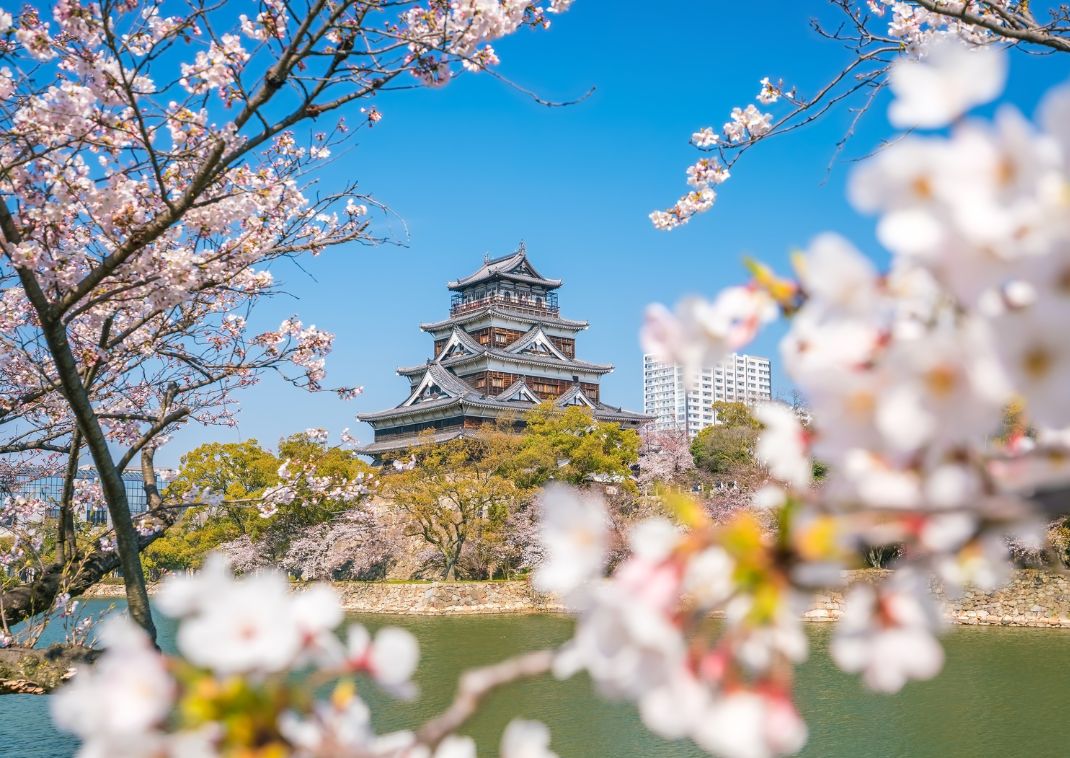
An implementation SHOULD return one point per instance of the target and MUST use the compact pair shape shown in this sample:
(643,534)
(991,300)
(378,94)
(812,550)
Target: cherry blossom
(151,194)
(906,373)
(121,699)
(769,92)
(887,633)
(701,333)
(950,79)
(236,629)
(943,57)
(243,633)
(782,445)
(704,137)
(752,725)
(526,739)
(390,656)
(574,536)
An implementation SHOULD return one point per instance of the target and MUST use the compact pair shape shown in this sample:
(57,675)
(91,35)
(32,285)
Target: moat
(1003,693)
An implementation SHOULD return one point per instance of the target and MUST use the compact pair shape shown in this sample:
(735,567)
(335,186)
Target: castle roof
(514,267)
(443,405)
(499,308)
(534,349)
(438,389)
(519,359)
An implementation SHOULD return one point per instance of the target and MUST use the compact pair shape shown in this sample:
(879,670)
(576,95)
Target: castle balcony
(535,305)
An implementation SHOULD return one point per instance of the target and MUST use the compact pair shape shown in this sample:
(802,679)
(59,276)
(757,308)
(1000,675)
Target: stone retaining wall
(444,598)
(1032,598)
(419,598)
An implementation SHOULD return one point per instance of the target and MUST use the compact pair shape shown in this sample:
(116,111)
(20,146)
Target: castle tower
(503,349)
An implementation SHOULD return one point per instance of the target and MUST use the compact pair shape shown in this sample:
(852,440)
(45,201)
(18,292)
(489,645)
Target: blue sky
(475,167)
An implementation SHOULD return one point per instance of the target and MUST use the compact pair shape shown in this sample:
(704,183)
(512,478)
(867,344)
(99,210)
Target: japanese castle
(504,348)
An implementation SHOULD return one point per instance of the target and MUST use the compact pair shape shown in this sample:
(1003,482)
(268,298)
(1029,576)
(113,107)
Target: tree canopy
(571,446)
(227,482)
(458,492)
(727,447)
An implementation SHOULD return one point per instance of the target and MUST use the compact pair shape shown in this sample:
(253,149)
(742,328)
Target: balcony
(535,306)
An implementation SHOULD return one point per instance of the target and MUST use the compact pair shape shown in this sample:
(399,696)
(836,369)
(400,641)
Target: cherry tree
(908,374)
(155,159)
(877,34)
(664,457)
(358,544)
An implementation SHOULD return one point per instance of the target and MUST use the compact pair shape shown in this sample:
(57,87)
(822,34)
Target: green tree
(235,473)
(727,447)
(569,445)
(236,476)
(458,495)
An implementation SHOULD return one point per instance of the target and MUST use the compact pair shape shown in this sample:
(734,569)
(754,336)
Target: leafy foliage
(229,474)
(458,494)
(224,480)
(571,446)
(727,447)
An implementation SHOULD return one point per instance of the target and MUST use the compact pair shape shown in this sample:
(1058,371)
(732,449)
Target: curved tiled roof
(503,309)
(506,267)
(474,399)
(516,390)
(388,446)
(462,338)
(505,355)
(534,334)
(538,360)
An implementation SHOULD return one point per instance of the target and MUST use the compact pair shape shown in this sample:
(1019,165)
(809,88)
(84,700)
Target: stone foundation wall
(419,598)
(444,598)
(1032,598)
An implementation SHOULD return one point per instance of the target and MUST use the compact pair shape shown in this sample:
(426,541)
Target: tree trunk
(27,600)
(66,541)
(452,559)
(148,477)
(126,537)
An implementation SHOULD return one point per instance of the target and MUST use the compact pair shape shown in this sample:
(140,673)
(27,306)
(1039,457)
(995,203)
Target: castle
(504,348)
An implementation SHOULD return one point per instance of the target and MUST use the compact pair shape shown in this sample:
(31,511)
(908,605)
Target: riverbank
(1032,599)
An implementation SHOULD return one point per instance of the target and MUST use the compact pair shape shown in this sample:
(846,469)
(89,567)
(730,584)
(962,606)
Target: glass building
(48,486)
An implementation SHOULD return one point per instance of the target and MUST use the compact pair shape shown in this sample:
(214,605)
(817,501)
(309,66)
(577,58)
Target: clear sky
(475,167)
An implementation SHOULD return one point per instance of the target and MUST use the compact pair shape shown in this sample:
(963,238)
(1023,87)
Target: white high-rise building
(666,396)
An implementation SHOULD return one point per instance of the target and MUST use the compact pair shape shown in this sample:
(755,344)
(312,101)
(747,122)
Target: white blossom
(950,79)
(573,531)
(886,633)
(526,739)
(745,724)
(782,445)
(123,697)
(243,626)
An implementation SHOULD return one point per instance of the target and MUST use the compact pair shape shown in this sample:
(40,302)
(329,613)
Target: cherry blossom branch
(1020,28)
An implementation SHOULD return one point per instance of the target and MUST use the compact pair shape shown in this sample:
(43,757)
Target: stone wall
(419,598)
(442,598)
(1032,598)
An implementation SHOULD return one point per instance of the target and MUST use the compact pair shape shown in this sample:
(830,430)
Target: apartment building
(674,405)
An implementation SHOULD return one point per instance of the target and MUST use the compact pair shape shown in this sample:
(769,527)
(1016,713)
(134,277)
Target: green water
(1004,692)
